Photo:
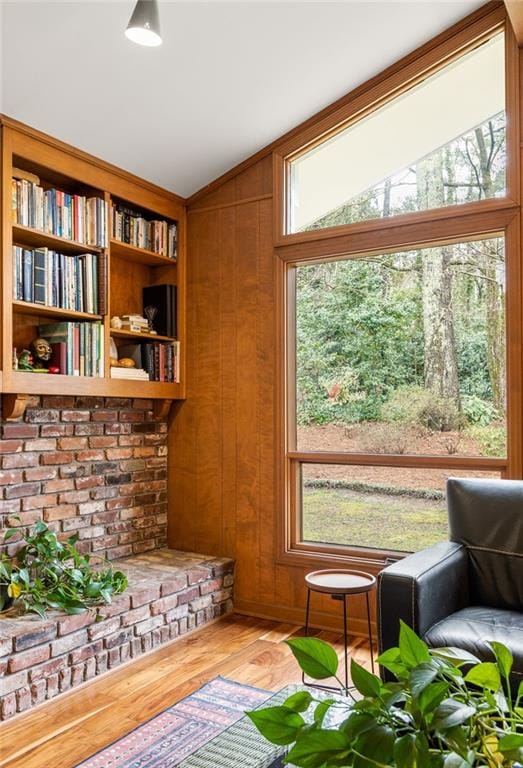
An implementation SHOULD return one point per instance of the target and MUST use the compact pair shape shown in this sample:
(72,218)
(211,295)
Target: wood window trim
(421,229)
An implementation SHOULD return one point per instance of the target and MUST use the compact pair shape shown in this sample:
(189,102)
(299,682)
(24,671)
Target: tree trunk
(440,364)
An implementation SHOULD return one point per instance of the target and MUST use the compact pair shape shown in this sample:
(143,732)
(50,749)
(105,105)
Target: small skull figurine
(41,350)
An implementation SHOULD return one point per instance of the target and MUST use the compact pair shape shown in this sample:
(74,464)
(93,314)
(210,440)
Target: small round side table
(340,584)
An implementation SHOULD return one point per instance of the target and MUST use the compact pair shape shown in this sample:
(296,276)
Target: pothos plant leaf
(315,657)
(46,573)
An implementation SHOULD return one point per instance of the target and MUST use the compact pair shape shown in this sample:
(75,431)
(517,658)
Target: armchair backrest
(486,516)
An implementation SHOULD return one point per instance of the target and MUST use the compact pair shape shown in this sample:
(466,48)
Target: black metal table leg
(370,633)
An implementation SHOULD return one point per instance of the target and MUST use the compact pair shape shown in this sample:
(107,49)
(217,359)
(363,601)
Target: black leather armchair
(468,590)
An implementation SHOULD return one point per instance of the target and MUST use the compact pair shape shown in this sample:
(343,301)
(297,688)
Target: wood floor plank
(85,720)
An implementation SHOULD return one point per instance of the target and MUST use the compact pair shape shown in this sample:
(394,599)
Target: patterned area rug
(169,737)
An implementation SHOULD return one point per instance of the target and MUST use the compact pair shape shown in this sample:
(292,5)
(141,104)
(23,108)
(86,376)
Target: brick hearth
(169,593)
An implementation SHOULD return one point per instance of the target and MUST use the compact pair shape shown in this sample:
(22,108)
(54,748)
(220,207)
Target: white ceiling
(229,78)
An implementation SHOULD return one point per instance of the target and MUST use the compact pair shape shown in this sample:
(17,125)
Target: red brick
(14,682)
(89,429)
(38,691)
(64,679)
(69,642)
(119,638)
(67,624)
(145,595)
(20,460)
(86,651)
(187,595)
(117,552)
(77,674)
(163,605)
(52,686)
(90,668)
(72,443)
(174,583)
(75,416)
(56,430)
(113,657)
(59,513)
(39,473)
(11,477)
(210,586)
(58,401)
(39,632)
(55,486)
(89,508)
(40,501)
(136,615)
(73,497)
(28,658)
(101,441)
(118,605)
(11,446)
(19,430)
(24,489)
(41,416)
(144,546)
(131,416)
(60,457)
(105,415)
(89,482)
(50,667)
(23,699)
(148,625)
(8,706)
(103,628)
(90,455)
(40,445)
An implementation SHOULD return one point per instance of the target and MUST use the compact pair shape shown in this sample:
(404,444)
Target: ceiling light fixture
(144,24)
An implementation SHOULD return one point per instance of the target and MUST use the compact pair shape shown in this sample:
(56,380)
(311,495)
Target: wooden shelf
(41,310)
(137,335)
(56,384)
(34,238)
(142,256)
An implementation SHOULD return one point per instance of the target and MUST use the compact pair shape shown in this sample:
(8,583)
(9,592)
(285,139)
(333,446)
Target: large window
(403,342)
(440,143)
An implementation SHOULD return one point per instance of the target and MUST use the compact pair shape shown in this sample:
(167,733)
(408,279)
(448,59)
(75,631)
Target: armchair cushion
(486,516)
(472,628)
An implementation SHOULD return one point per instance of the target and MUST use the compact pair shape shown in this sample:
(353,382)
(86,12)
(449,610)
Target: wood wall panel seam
(236,203)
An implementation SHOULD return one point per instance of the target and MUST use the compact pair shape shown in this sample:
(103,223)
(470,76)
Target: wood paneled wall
(223,496)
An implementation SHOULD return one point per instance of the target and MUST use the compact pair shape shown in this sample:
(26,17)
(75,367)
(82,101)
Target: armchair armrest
(421,589)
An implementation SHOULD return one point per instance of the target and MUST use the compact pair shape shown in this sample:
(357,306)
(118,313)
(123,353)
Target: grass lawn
(342,516)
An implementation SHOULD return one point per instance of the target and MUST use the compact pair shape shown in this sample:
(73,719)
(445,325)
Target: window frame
(459,223)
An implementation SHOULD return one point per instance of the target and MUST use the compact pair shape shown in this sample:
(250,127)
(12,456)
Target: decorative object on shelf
(25,361)
(116,322)
(54,369)
(136,324)
(47,573)
(447,708)
(41,352)
(150,313)
(126,362)
(144,24)
(163,297)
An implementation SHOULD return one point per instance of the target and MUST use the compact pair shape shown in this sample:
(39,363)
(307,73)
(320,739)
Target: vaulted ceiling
(229,78)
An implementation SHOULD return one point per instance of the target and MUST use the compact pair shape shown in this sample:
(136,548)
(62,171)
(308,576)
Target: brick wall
(92,465)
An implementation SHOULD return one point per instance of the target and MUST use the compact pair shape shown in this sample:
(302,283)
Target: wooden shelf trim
(42,310)
(29,383)
(141,255)
(137,335)
(36,238)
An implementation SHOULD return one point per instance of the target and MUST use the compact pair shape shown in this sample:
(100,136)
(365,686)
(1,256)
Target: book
(77,347)
(56,280)
(130,226)
(164,298)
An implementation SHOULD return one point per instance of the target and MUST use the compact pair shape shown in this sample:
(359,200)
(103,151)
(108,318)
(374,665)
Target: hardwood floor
(65,731)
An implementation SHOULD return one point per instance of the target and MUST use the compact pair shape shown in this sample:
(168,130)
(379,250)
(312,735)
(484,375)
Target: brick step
(170,592)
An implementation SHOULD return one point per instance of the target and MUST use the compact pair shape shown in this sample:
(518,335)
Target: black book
(163,297)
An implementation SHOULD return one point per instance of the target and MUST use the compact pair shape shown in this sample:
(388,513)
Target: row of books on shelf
(43,276)
(78,348)
(154,361)
(130,227)
(74,217)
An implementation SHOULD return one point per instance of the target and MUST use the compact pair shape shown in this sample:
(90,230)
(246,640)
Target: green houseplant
(445,709)
(47,573)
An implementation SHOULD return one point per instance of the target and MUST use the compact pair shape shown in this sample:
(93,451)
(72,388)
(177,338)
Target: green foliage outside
(414,337)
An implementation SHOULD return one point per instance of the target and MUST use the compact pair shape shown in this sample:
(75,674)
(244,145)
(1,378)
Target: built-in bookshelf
(81,240)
